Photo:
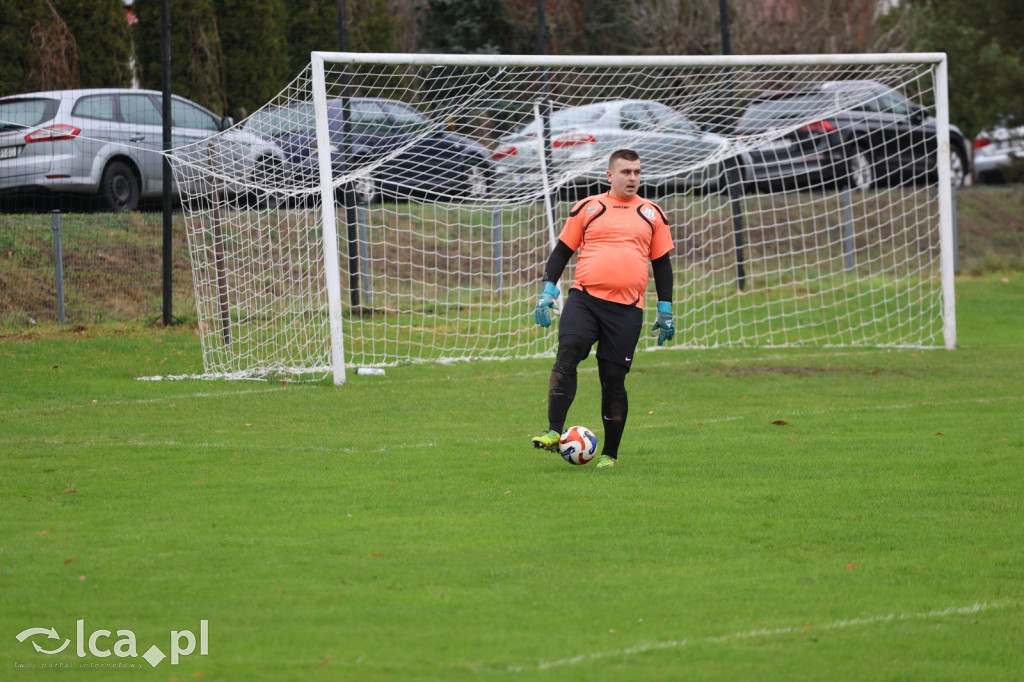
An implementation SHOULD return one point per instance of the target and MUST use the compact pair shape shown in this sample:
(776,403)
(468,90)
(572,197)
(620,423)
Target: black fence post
(168,206)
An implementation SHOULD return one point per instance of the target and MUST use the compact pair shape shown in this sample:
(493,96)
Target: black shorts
(615,327)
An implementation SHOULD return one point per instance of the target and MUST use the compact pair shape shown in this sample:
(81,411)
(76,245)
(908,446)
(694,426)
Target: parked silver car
(107,142)
(996,151)
(675,152)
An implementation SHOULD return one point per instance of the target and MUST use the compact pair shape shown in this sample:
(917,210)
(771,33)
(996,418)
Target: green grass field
(853,514)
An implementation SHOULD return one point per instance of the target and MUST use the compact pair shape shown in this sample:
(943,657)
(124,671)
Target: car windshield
(368,117)
(779,108)
(25,113)
(671,120)
(566,119)
(277,121)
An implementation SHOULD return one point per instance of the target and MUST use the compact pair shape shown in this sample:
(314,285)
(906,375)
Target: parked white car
(676,153)
(995,150)
(107,142)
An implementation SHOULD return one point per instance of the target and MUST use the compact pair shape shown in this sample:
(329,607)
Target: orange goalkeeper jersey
(615,238)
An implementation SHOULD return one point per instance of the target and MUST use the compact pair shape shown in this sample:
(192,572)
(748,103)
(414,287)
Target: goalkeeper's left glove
(663,325)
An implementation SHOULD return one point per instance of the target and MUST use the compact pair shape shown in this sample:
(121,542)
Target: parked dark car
(397,150)
(858,134)
(106,143)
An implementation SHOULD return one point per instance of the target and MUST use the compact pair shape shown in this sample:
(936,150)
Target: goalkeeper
(616,234)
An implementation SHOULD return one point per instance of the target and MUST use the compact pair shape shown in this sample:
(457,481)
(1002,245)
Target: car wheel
(475,185)
(119,188)
(366,190)
(957,167)
(860,174)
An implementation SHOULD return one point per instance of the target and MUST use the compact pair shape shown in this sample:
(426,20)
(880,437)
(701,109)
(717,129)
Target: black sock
(614,405)
(561,393)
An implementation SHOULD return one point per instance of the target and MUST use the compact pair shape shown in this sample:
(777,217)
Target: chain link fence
(79,268)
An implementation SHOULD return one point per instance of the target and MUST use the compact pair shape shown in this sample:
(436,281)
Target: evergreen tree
(253,37)
(369,27)
(25,26)
(197,64)
(103,39)
(14,22)
(464,26)
(313,26)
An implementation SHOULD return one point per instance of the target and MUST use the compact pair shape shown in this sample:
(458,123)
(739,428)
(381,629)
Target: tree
(463,26)
(984,43)
(38,50)
(253,38)
(369,24)
(55,66)
(197,62)
(103,39)
(59,44)
(808,27)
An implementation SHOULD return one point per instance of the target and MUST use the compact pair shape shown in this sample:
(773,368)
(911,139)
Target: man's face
(624,177)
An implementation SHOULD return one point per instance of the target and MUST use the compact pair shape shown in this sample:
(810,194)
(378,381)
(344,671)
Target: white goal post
(811,200)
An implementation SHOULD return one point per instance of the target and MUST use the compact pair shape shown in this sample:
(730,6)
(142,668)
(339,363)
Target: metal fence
(77,268)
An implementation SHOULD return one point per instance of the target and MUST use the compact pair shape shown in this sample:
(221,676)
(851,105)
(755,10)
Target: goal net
(416,198)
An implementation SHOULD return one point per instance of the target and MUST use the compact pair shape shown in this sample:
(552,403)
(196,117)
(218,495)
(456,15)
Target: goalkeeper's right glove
(545,303)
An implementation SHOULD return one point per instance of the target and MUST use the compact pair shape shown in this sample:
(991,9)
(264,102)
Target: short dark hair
(624,154)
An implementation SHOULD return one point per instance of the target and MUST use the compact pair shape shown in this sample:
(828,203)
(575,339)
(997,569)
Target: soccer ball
(577,445)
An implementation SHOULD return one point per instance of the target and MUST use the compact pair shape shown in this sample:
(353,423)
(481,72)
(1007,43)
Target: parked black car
(400,152)
(861,134)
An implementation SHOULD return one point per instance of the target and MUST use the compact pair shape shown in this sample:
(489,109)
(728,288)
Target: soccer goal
(416,198)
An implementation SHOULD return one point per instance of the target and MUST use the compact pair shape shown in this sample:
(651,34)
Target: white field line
(760,633)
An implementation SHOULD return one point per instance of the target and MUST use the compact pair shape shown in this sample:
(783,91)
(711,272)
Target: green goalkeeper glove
(545,303)
(663,325)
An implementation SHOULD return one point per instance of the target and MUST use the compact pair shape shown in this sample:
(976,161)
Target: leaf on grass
(69,490)
(780,422)
(850,567)
(375,554)
(323,663)
(69,560)
(43,532)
